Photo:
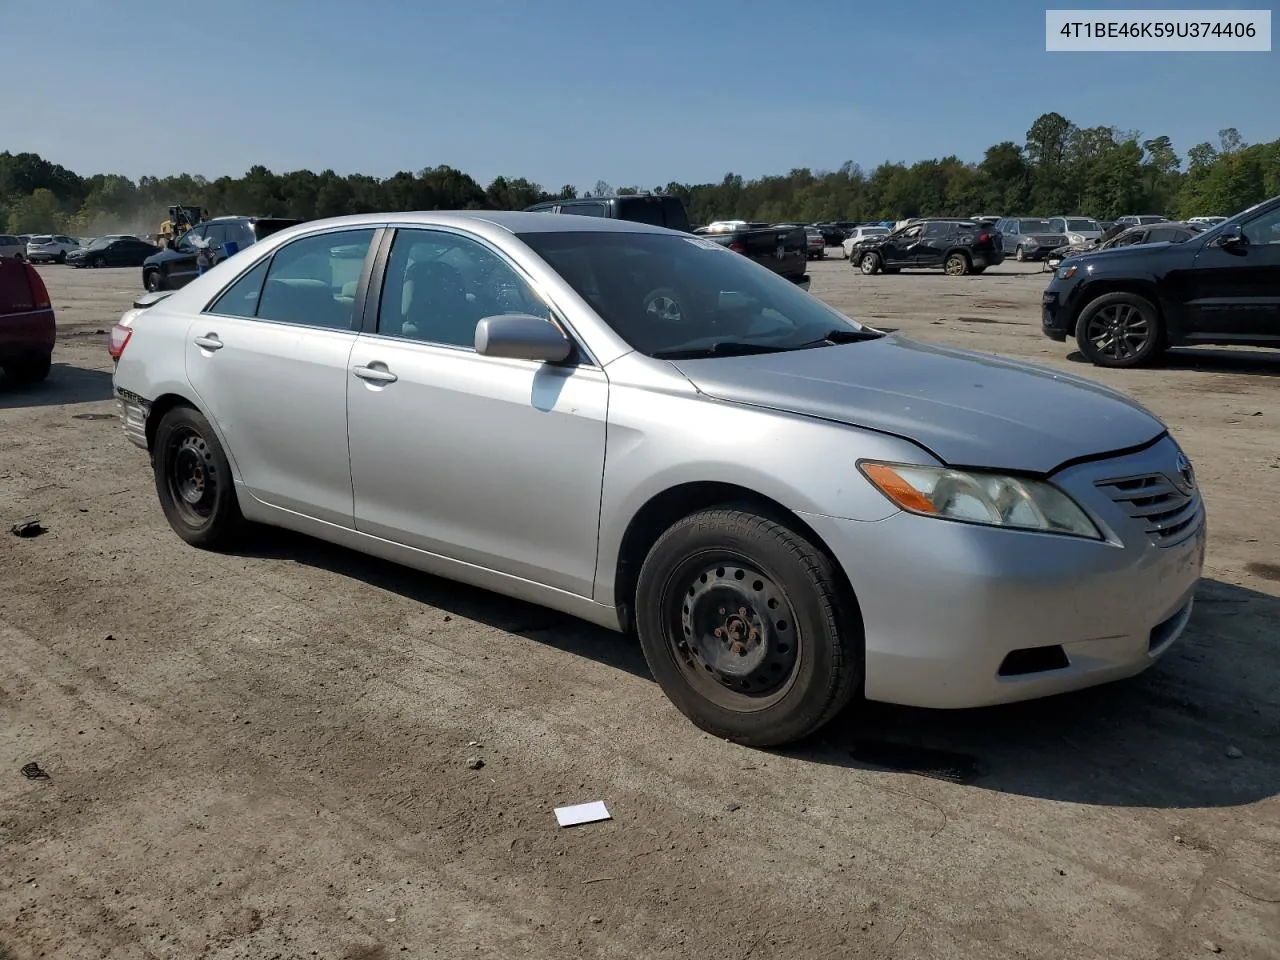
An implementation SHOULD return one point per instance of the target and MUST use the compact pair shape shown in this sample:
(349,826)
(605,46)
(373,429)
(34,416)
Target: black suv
(1128,304)
(658,210)
(957,246)
(175,266)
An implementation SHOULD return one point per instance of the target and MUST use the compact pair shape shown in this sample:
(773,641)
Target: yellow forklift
(182,217)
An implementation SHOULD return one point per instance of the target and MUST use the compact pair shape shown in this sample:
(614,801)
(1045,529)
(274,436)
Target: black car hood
(969,409)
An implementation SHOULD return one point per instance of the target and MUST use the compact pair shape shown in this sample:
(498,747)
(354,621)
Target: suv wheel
(956,265)
(1119,330)
(746,627)
(869,263)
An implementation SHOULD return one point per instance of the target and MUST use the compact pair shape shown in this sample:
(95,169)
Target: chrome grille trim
(1166,513)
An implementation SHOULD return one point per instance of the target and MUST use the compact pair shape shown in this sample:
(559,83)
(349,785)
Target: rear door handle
(209,341)
(375,374)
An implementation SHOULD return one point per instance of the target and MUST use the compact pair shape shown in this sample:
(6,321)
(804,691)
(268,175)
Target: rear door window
(313,281)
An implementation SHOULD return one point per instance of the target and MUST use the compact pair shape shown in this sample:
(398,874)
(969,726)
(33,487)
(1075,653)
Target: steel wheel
(192,476)
(733,633)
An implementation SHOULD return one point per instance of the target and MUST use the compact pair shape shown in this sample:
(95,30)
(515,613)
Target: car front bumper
(1057,319)
(945,604)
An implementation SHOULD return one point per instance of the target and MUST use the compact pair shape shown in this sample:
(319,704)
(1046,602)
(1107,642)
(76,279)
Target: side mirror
(1232,236)
(521,336)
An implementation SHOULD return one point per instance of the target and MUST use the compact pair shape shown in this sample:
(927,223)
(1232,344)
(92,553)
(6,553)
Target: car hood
(969,409)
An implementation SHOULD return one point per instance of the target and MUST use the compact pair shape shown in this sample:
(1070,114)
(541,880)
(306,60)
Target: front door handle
(209,341)
(375,374)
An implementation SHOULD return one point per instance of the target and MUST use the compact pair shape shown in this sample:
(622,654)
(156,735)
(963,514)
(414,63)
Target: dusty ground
(264,755)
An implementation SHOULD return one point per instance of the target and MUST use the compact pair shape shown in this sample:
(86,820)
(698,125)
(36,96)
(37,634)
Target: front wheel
(1119,330)
(193,481)
(154,281)
(869,264)
(746,628)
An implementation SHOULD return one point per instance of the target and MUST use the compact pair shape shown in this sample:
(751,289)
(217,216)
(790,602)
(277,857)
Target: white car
(857,235)
(1208,221)
(1077,229)
(11,247)
(50,248)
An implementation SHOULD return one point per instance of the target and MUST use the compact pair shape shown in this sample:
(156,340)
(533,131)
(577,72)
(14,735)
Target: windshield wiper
(842,335)
(725,348)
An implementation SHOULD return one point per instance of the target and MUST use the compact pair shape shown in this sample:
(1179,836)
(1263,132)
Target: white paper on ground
(582,813)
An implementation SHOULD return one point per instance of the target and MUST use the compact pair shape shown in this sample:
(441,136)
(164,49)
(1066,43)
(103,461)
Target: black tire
(153,280)
(193,481)
(1019,255)
(1119,330)
(761,681)
(99,261)
(869,263)
(29,369)
(62,256)
(956,264)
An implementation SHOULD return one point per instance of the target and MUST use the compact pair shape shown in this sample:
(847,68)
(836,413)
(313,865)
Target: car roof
(513,221)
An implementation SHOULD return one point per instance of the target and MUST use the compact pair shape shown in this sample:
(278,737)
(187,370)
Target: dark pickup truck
(784,250)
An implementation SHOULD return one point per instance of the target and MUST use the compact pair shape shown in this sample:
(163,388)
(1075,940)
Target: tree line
(1060,168)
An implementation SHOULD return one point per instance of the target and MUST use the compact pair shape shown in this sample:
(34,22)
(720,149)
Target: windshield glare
(665,293)
(101,242)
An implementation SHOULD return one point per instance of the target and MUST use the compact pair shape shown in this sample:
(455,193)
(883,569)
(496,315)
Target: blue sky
(572,91)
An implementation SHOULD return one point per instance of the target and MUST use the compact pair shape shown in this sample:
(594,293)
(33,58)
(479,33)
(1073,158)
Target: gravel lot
(265,755)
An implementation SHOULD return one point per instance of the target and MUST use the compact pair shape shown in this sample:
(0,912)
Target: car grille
(1167,514)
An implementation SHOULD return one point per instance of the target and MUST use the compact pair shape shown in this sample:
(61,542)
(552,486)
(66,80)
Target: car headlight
(1075,238)
(1031,242)
(972,496)
(1067,272)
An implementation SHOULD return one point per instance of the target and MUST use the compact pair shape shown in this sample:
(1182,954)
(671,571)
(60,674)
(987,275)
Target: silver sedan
(644,429)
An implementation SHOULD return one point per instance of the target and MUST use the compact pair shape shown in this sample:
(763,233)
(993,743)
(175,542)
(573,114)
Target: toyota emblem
(1186,476)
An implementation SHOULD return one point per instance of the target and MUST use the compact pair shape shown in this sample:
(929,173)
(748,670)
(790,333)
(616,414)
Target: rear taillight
(738,247)
(120,335)
(984,237)
(39,292)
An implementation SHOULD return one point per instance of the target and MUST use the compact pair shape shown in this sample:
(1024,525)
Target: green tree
(38,213)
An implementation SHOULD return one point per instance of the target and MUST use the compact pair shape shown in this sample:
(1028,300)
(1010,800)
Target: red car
(26,323)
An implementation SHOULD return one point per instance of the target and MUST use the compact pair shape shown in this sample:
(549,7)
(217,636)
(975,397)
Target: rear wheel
(869,263)
(99,261)
(1119,330)
(193,481)
(956,265)
(743,623)
(29,369)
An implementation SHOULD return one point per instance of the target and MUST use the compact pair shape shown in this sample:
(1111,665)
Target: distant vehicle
(1076,229)
(1137,220)
(959,247)
(51,248)
(173,267)
(573,412)
(1207,221)
(659,209)
(817,243)
(1128,304)
(11,247)
(1163,232)
(1106,225)
(858,234)
(784,250)
(1028,238)
(112,251)
(833,233)
(27,327)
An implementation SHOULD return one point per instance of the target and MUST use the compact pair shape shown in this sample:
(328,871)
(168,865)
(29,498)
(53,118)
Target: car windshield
(1033,226)
(102,242)
(672,295)
(1088,226)
(41,240)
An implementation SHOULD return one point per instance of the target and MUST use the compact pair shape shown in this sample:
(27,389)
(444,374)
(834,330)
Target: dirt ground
(264,755)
